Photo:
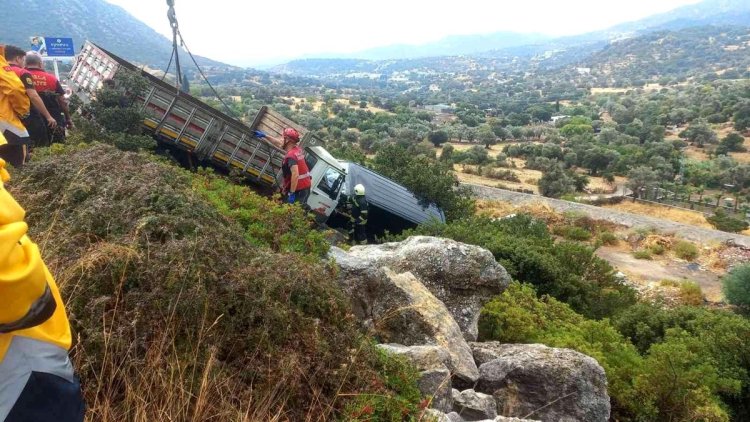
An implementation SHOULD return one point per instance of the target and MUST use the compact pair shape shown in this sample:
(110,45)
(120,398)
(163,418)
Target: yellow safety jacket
(29,297)
(14,103)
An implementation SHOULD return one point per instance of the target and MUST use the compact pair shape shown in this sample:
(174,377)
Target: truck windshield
(331,182)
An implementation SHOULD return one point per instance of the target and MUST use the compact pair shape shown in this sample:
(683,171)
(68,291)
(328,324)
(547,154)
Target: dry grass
(693,218)
(499,209)
(527,176)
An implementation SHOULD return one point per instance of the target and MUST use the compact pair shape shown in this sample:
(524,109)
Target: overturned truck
(208,136)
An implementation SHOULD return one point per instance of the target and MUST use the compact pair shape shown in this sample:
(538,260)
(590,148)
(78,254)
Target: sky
(256,33)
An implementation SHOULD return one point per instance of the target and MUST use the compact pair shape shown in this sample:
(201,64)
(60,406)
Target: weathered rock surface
(436,383)
(400,309)
(434,377)
(464,277)
(433,415)
(473,406)
(455,417)
(423,357)
(542,382)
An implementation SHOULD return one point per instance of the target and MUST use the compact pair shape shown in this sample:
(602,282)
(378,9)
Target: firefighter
(39,130)
(37,382)
(297,178)
(358,210)
(52,94)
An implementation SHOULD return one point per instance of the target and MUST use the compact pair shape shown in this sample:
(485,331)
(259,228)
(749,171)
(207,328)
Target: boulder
(432,415)
(533,380)
(400,309)
(473,406)
(423,357)
(436,383)
(464,277)
(455,417)
(434,377)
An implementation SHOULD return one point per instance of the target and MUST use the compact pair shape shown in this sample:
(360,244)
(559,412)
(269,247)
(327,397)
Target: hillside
(707,12)
(673,54)
(95,20)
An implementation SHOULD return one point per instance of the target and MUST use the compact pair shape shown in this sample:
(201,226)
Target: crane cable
(172,16)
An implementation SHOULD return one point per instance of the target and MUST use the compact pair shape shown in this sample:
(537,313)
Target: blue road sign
(59,47)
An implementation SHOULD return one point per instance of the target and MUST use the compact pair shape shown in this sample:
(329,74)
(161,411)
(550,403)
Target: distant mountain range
(454,45)
(509,44)
(95,20)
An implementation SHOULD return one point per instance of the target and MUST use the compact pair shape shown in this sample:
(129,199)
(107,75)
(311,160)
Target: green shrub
(685,250)
(608,238)
(431,181)
(519,316)
(266,223)
(572,233)
(642,254)
(657,249)
(401,398)
(669,283)
(736,286)
(690,293)
(721,221)
(502,174)
(127,142)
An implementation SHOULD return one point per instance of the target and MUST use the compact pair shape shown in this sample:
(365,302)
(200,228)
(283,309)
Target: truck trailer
(208,136)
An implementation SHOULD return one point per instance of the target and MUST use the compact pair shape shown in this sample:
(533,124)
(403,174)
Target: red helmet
(291,133)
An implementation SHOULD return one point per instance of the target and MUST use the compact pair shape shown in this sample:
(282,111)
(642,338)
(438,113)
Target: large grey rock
(424,357)
(433,415)
(434,377)
(462,276)
(455,417)
(506,419)
(533,380)
(436,383)
(473,406)
(400,309)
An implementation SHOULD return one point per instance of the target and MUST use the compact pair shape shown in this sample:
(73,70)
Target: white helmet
(359,190)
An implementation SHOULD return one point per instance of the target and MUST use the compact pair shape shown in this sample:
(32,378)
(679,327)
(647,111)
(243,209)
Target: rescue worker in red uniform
(297,178)
(35,122)
(52,94)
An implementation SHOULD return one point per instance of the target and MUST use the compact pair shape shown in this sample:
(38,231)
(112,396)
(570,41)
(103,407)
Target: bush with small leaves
(685,250)
(736,286)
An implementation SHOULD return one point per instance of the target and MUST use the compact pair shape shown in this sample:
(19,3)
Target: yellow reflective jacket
(14,102)
(24,278)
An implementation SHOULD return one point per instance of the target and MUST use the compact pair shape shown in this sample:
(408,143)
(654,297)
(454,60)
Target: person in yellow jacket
(37,382)
(14,105)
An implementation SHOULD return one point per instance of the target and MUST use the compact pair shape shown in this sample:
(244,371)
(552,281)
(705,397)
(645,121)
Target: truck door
(324,195)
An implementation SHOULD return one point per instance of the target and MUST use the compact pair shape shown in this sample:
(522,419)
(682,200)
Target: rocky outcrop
(473,406)
(545,383)
(464,277)
(400,309)
(423,297)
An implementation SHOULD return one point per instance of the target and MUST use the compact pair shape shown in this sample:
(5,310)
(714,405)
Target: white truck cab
(328,177)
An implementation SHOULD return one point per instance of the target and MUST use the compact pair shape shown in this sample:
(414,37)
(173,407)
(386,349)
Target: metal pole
(57,71)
